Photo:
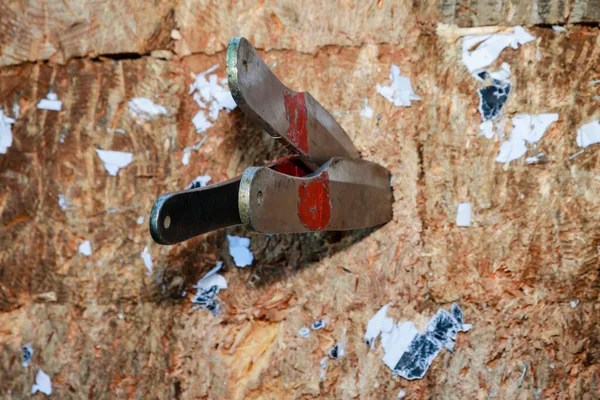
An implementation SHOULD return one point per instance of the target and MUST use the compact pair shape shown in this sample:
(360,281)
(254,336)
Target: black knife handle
(180,216)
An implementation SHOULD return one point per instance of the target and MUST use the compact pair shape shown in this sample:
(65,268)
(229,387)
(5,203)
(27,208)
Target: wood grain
(532,248)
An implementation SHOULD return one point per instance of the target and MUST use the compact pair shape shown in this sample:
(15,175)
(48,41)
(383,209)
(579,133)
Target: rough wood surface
(532,249)
(59,30)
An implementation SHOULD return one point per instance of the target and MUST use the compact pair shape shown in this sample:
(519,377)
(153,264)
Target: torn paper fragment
(397,341)
(26,355)
(207,289)
(16,110)
(319,324)
(6,137)
(147,257)
(42,384)
(535,159)
(574,303)
(444,326)
(401,394)
(201,76)
(492,98)
(141,107)
(85,248)
(211,96)
(409,353)
(367,111)
(558,28)
(62,201)
(139,220)
(458,317)
(114,160)
(526,128)
(487,129)
(240,251)
(377,324)
(400,92)
(482,50)
(51,103)
(225,100)
(185,160)
(337,351)
(588,134)
(199,181)
(201,123)
(304,332)
(463,214)
(187,152)
(502,74)
(323,365)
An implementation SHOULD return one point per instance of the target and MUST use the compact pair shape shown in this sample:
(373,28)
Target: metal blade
(343,194)
(296,119)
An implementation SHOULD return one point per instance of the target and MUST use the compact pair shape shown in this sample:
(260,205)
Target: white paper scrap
(367,111)
(323,365)
(211,278)
(408,352)
(338,351)
(85,248)
(240,251)
(526,128)
(463,214)
(207,289)
(487,129)
(377,324)
(201,123)
(6,137)
(482,50)
(51,103)
(400,92)
(62,201)
(187,152)
(304,332)
(199,181)
(42,384)
(114,160)
(26,355)
(211,96)
(147,257)
(588,134)
(574,303)
(142,107)
(319,324)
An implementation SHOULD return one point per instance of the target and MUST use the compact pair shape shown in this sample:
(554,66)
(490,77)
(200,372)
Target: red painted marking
(296,114)
(314,207)
(289,168)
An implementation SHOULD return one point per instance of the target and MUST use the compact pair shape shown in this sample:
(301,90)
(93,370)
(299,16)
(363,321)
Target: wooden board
(532,248)
(59,30)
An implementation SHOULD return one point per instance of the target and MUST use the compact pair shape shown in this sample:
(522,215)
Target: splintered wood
(103,321)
